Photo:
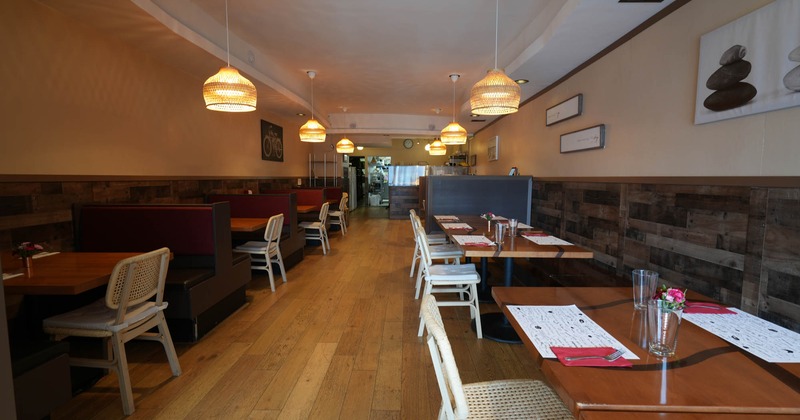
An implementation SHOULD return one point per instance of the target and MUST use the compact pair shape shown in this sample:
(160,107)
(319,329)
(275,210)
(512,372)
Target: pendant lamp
(345,146)
(454,133)
(312,131)
(438,148)
(229,91)
(495,94)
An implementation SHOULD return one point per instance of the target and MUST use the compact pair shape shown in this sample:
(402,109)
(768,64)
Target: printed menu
(563,326)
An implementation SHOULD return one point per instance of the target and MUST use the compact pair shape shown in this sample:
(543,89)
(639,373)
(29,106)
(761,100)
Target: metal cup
(499,233)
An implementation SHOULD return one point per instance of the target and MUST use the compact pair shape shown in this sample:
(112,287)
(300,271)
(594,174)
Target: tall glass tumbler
(644,286)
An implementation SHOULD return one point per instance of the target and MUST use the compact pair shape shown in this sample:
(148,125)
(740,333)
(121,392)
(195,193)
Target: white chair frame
(442,278)
(124,314)
(501,399)
(340,215)
(263,254)
(317,230)
(449,253)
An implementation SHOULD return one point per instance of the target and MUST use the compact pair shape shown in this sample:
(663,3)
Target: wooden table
(66,273)
(306,208)
(248,224)
(495,326)
(707,375)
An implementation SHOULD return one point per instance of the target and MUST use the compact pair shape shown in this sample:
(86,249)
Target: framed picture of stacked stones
(750,65)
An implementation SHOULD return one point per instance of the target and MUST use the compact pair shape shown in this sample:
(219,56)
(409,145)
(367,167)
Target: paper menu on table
(757,336)
(7,276)
(472,239)
(445,217)
(563,326)
(44,254)
(545,240)
(456,226)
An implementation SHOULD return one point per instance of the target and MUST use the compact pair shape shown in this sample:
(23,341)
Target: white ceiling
(382,65)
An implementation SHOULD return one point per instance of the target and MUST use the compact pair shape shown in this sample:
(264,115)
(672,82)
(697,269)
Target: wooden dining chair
(264,254)
(449,253)
(125,313)
(317,230)
(340,215)
(443,278)
(500,399)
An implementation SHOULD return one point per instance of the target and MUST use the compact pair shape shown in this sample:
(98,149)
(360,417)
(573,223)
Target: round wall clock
(408,143)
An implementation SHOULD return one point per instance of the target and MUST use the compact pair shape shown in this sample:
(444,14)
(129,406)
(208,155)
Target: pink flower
(674,298)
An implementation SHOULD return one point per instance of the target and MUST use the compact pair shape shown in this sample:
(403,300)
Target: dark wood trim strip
(735,181)
(77,178)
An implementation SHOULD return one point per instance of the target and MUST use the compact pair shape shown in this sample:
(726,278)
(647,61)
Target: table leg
(495,325)
(485,291)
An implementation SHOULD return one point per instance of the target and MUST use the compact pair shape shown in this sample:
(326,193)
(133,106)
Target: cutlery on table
(609,357)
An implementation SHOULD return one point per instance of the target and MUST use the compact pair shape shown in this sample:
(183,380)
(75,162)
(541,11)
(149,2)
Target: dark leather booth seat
(265,206)
(206,280)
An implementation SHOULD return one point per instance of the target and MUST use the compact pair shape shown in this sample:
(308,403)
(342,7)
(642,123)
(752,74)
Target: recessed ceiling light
(522,81)
(473,115)
(360,147)
(301,114)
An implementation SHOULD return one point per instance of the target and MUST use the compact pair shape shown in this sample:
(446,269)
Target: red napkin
(705,308)
(476,244)
(562,352)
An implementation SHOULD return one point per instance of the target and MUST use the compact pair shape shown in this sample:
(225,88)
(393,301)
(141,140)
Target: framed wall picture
(493,150)
(570,108)
(750,65)
(271,141)
(588,138)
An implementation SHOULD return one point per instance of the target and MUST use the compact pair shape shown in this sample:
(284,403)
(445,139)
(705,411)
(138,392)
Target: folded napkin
(562,352)
(477,244)
(7,276)
(44,254)
(706,308)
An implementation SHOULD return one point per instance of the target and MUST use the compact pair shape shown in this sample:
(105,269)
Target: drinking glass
(663,323)
(499,232)
(644,286)
(512,225)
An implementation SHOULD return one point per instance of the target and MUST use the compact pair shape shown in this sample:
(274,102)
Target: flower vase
(488,226)
(27,262)
(663,323)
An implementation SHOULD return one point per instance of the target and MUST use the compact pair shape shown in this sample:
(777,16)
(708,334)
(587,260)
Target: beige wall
(644,92)
(78,102)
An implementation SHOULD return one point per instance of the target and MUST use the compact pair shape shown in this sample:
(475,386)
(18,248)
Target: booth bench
(206,281)
(265,206)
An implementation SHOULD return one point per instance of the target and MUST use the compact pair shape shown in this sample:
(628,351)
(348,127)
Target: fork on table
(609,357)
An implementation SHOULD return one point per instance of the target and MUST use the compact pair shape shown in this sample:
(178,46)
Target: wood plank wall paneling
(738,244)
(41,211)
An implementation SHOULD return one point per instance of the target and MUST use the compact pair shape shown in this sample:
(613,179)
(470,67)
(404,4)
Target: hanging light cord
(454,100)
(228,36)
(496,24)
(312,96)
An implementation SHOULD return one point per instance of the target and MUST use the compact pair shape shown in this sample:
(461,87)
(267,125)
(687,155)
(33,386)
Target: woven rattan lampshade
(495,94)
(229,91)
(454,133)
(438,148)
(345,146)
(312,131)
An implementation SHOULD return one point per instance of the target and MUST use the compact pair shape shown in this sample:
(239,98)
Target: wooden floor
(339,340)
